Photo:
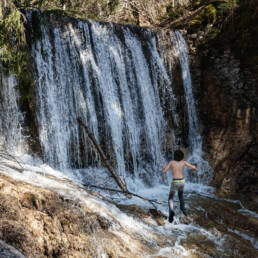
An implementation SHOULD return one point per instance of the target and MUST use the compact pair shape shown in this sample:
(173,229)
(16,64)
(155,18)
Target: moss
(207,16)
(236,27)
(174,13)
(14,56)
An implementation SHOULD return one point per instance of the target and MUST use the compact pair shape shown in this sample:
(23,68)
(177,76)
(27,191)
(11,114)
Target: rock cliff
(229,115)
(225,78)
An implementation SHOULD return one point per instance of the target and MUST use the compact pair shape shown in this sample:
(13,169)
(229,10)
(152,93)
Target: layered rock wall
(227,97)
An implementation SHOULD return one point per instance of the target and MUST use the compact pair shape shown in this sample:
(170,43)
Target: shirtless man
(177,165)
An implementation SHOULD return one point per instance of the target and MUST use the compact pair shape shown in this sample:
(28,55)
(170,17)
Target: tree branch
(130,193)
(103,157)
(189,16)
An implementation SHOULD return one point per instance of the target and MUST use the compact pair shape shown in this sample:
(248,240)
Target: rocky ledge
(73,222)
(40,222)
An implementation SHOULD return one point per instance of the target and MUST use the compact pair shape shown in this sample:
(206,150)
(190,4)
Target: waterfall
(11,118)
(119,81)
(194,137)
(110,76)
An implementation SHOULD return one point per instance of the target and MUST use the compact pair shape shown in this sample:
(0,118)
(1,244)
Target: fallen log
(151,201)
(187,18)
(103,157)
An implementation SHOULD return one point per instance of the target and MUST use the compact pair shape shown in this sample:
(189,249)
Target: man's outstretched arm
(191,166)
(166,168)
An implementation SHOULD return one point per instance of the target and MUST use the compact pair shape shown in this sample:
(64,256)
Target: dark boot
(171,216)
(184,211)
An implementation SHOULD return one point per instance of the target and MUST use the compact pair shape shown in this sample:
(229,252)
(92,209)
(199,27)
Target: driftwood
(103,157)
(130,193)
(112,171)
(187,18)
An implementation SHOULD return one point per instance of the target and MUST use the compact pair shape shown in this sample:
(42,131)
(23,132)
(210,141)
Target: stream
(214,227)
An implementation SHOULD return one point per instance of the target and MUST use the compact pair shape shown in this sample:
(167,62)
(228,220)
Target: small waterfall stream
(11,117)
(194,137)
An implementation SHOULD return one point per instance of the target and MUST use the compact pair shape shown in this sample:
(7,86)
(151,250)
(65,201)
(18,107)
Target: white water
(87,70)
(11,118)
(194,137)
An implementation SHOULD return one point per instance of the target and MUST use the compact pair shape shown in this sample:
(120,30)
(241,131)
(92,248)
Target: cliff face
(229,116)
(225,77)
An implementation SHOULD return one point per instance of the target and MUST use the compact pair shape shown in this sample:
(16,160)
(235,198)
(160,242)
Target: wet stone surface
(39,222)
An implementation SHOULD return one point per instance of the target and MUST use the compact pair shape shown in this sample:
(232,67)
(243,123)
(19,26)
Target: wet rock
(227,92)
(9,207)
(41,223)
(158,216)
(8,251)
(193,36)
(224,220)
(134,210)
(137,212)
(31,201)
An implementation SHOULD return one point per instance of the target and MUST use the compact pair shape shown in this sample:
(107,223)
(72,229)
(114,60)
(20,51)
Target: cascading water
(115,78)
(103,73)
(194,137)
(11,118)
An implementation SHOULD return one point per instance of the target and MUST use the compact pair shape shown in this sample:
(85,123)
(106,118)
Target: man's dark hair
(178,155)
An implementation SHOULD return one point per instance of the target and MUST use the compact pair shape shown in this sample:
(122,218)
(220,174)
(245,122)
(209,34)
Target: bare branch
(128,192)
(104,159)
(187,18)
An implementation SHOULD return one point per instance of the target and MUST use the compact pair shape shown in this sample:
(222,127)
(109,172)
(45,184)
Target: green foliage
(206,16)
(174,13)
(13,53)
(214,13)
(236,28)
(92,9)
(223,9)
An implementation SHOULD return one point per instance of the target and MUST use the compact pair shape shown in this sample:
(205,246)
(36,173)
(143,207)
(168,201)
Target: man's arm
(191,166)
(165,169)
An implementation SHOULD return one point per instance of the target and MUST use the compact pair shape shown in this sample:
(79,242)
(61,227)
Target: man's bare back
(178,168)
